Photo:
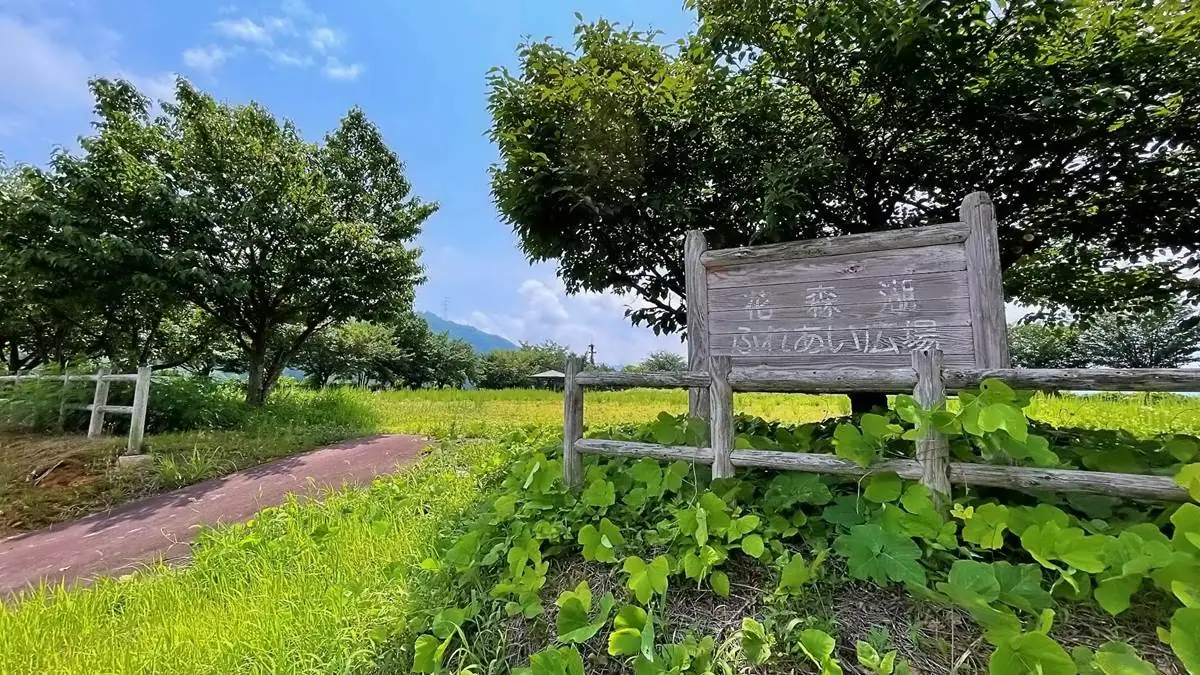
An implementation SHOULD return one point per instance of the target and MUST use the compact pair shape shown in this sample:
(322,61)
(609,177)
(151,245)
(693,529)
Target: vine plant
(1008,559)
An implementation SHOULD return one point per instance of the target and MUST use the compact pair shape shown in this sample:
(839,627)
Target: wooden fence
(100,406)
(929,381)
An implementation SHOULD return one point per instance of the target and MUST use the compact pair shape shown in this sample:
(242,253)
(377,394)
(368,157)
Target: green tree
(1167,337)
(358,351)
(1044,345)
(509,369)
(230,209)
(661,360)
(794,119)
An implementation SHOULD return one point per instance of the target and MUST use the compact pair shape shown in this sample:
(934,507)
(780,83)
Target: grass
(324,587)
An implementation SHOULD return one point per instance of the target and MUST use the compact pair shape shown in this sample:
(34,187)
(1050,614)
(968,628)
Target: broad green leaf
(573,623)
(753,545)
(1189,479)
(985,528)
(1031,654)
(847,511)
(756,645)
(1186,520)
(848,442)
(1182,449)
(1185,638)
(1118,658)
(971,582)
(628,625)
(599,493)
(717,512)
(795,574)
(560,661)
(599,543)
(647,579)
(1187,592)
(1114,594)
(740,527)
(1021,586)
(875,554)
(428,652)
(883,487)
(878,427)
(649,473)
(818,646)
(720,583)
(1049,541)
(791,488)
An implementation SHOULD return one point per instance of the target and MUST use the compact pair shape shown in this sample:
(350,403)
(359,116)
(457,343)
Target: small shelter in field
(549,379)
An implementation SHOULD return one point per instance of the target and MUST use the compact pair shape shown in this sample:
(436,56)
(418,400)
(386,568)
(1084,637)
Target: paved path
(164,526)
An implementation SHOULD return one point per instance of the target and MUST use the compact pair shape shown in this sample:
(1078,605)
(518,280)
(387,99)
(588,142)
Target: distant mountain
(482,341)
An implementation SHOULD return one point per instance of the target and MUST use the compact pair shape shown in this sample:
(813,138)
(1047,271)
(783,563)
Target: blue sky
(417,68)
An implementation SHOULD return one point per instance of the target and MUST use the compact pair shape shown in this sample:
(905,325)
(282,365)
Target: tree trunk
(867,401)
(14,358)
(256,364)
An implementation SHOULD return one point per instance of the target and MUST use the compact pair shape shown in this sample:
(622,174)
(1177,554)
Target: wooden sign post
(858,301)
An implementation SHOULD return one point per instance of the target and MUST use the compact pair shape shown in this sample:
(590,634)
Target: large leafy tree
(229,209)
(658,361)
(1046,345)
(1167,337)
(791,119)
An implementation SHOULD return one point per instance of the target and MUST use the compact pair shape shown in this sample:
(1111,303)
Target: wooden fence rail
(929,382)
(100,406)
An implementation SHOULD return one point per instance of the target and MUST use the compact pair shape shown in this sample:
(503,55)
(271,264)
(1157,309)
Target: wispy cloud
(244,29)
(335,69)
(206,59)
(295,37)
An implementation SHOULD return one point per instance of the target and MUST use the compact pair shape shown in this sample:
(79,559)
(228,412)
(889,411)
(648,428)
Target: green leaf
(600,543)
(573,623)
(1182,449)
(971,582)
(985,528)
(628,625)
(551,661)
(1049,541)
(756,645)
(1021,586)
(795,574)
(720,583)
(1114,594)
(818,646)
(883,487)
(753,546)
(1186,520)
(1185,638)
(600,493)
(878,427)
(875,554)
(649,473)
(788,489)
(647,579)
(848,442)
(1031,654)
(1118,658)
(428,652)
(1188,478)
(847,511)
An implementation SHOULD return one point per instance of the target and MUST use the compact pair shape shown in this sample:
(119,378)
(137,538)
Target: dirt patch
(52,478)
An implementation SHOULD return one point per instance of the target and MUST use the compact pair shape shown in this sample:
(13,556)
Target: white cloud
(324,39)
(39,69)
(545,312)
(337,70)
(244,29)
(205,59)
(289,58)
(47,63)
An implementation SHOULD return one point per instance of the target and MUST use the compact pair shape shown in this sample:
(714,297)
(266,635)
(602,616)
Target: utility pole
(446,308)
(591,352)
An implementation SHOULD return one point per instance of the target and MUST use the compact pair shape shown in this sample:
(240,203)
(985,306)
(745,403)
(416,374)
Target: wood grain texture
(831,381)
(932,448)
(99,400)
(945,312)
(984,280)
(762,301)
(843,360)
(696,290)
(720,396)
(599,446)
(115,409)
(137,417)
(832,269)
(800,346)
(130,377)
(651,380)
(572,422)
(1081,379)
(1132,486)
(930,235)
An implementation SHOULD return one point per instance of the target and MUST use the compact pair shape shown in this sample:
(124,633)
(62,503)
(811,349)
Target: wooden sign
(858,301)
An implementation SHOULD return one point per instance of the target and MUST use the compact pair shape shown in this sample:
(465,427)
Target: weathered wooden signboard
(858,301)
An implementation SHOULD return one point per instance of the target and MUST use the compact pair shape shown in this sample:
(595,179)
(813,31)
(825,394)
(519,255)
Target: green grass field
(324,587)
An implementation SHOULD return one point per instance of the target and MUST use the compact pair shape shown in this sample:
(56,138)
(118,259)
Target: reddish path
(164,526)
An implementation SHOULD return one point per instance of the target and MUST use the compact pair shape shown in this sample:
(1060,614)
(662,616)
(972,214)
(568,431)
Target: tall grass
(303,588)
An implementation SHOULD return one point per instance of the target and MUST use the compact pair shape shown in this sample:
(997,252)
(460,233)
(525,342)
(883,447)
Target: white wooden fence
(100,406)
(927,379)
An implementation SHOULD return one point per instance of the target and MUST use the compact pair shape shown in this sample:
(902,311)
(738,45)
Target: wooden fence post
(933,450)
(62,403)
(988,326)
(137,420)
(99,400)
(720,396)
(696,292)
(572,423)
